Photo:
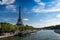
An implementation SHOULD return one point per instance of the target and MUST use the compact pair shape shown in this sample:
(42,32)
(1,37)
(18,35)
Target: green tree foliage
(21,27)
(7,27)
(28,27)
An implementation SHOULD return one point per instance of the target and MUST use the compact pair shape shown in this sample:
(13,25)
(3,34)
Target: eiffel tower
(19,21)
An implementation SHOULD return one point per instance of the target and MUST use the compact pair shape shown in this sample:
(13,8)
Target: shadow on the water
(11,38)
(57,31)
(22,35)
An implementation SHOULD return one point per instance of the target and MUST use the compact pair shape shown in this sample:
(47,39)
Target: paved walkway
(9,34)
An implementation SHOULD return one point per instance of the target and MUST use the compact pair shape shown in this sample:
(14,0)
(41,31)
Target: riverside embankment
(16,33)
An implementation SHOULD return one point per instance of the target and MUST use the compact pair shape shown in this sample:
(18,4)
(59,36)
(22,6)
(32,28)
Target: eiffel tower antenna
(19,21)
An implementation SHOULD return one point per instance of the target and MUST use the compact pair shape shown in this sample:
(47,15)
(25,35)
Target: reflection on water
(40,35)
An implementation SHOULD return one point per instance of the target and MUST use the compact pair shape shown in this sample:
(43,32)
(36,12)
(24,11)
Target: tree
(28,27)
(7,27)
(21,27)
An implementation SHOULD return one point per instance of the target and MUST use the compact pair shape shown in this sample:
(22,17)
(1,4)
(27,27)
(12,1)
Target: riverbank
(6,35)
(16,33)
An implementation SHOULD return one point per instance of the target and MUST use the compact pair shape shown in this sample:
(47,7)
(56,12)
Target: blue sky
(38,13)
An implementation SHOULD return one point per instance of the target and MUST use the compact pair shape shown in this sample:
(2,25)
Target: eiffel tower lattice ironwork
(19,21)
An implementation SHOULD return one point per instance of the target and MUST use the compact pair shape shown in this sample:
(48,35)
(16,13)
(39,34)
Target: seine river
(39,35)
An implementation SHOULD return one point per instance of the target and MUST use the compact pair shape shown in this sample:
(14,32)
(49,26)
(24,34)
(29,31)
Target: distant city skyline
(37,13)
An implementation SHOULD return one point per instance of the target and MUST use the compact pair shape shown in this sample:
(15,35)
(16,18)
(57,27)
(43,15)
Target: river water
(39,35)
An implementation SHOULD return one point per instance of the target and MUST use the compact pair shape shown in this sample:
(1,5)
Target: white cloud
(58,15)
(10,1)
(9,5)
(46,23)
(40,9)
(26,19)
(6,2)
(58,4)
(41,20)
(37,10)
(37,1)
(42,4)
(53,6)
(3,2)
(11,8)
